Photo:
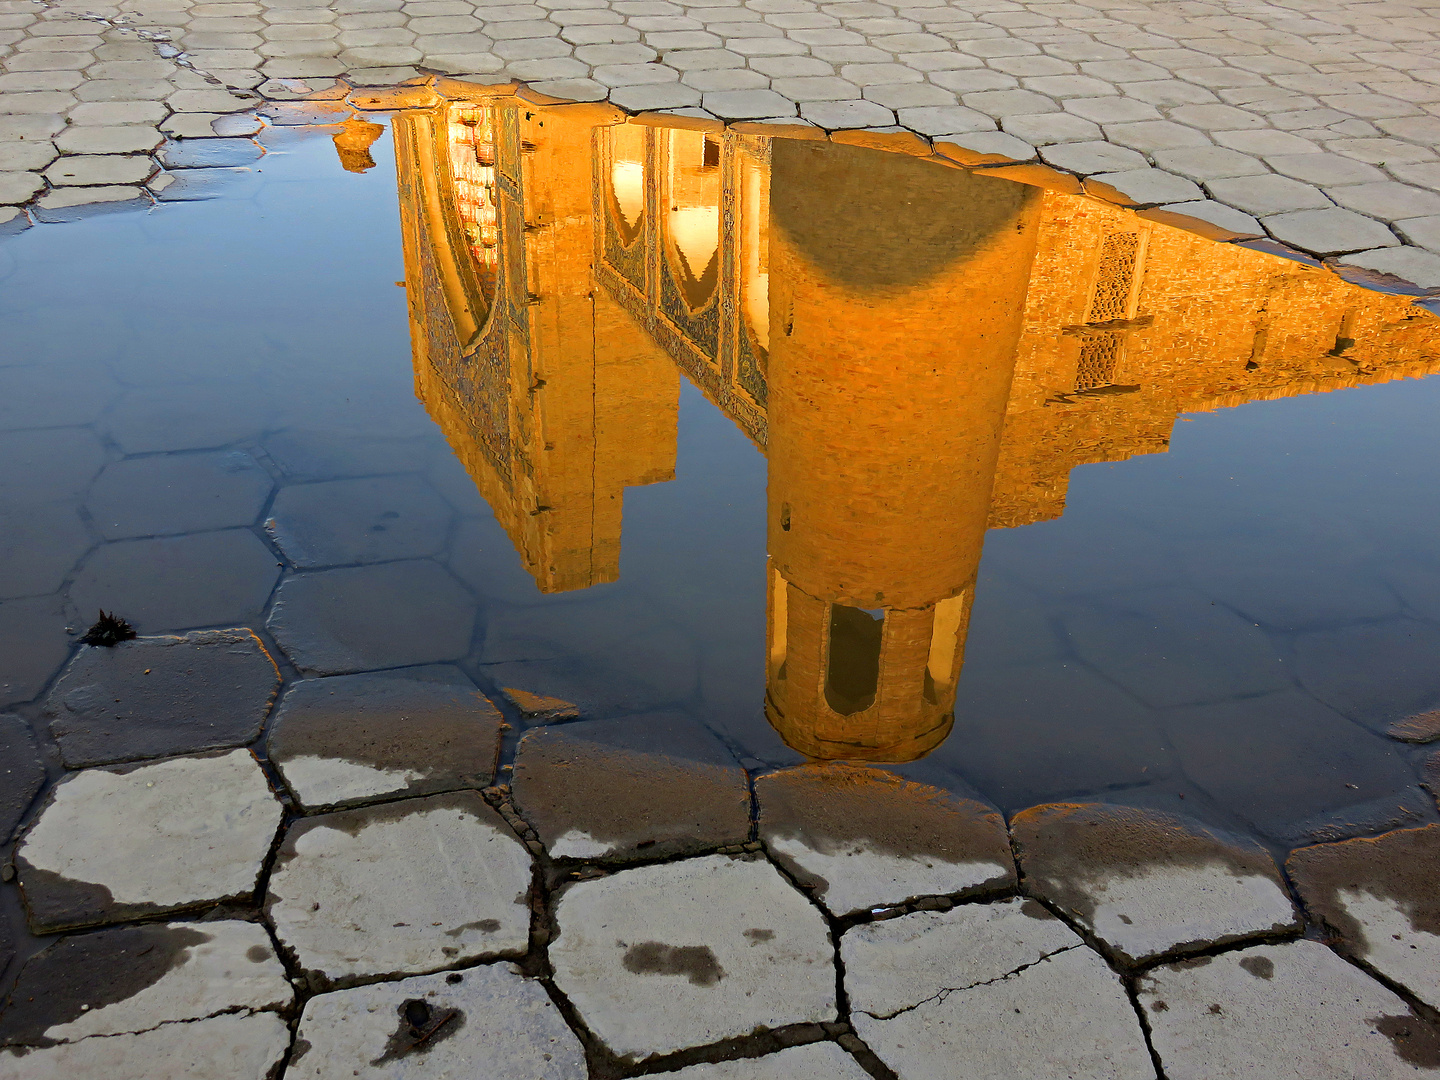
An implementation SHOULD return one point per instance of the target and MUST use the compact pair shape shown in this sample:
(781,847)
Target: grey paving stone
(984,148)
(1002,103)
(127,842)
(178,493)
(1378,897)
(725,80)
(22,774)
(81,170)
(659,958)
(1324,169)
(1387,199)
(661,96)
(366,520)
(1007,986)
(1418,268)
(13,220)
(178,582)
(1216,221)
(910,96)
(807,89)
(157,696)
(576,784)
(1208,162)
(351,739)
(26,157)
(231,1045)
(1111,110)
(945,120)
(747,104)
(1292,1012)
(1049,128)
(71,204)
(1148,884)
(1263,195)
(840,115)
(1149,136)
(135,978)
(1149,187)
(19,187)
(393,615)
(212,151)
(1329,232)
(1091,157)
(1164,92)
(861,838)
(1216,117)
(120,139)
(438,1026)
(403,888)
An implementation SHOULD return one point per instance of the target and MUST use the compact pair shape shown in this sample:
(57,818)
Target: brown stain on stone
(1415,1041)
(1402,866)
(422,1025)
(757,936)
(696,962)
(1036,910)
(485,926)
(1262,967)
(84,972)
(257,954)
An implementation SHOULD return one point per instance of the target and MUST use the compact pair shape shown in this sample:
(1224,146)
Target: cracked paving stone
(1380,896)
(233,1046)
(1147,883)
(134,978)
(404,888)
(1286,1012)
(98,170)
(177,493)
(367,520)
(437,1026)
(664,957)
(1329,232)
(862,838)
(1007,987)
(392,615)
(22,774)
(577,784)
(161,696)
(816,1061)
(350,739)
(133,841)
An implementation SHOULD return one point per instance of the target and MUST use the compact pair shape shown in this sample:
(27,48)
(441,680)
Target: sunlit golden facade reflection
(921,352)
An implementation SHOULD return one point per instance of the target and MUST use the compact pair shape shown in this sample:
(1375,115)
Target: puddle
(845,454)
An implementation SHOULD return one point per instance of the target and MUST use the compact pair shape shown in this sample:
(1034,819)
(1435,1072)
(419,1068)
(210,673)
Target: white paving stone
(1285,1012)
(683,954)
(121,842)
(488,1021)
(1005,987)
(1329,232)
(816,1061)
(403,888)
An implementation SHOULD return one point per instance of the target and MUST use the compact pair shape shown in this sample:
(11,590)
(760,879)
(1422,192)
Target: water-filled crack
(941,995)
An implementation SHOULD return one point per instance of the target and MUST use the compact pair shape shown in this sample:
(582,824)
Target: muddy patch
(1401,866)
(1416,1042)
(421,1026)
(697,963)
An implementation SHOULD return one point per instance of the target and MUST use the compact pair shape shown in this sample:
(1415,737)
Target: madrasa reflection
(921,352)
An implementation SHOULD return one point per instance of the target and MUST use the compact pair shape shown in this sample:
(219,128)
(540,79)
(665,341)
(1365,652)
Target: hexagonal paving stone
(862,838)
(374,519)
(438,1026)
(403,888)
(351,739)
(393,615)
(135,978)
(22,773)
(174,583)
(1147,883)
(1381,896)
(158,696)
(1286,1012)
(580,786)
(1006,987)
(178,493)
(817,1061)
(38,547)
(131,841)
(36,644)
(664,957)
(50,465)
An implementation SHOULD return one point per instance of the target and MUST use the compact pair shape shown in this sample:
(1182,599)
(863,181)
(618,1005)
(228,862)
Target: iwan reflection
(921,352)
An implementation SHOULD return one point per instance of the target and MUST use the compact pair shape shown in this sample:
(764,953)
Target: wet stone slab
(1007,987)
(1286,1012)
(22,773)
(404,888)
(640,787)
(155,696)
(1420,728)
(351,739)
(538,709)
(235,1046)
(660,958)
(816,1061)
(134,841)
(1381,897)
(1147,883)
(862,838)
(366,520)
(434,1027)
(135,978)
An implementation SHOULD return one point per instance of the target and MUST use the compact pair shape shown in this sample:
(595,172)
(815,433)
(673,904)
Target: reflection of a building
(872,322)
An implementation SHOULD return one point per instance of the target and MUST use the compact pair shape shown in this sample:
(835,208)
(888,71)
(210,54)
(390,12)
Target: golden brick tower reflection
(921,352)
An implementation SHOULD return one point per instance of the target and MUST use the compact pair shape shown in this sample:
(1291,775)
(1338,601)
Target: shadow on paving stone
(638,787)
(351,739)
(862,838)
(1381,896)
(438,1026)
(404,888)
(135,978)
(22,774)
(134,841)
(161,696)
(1147,883)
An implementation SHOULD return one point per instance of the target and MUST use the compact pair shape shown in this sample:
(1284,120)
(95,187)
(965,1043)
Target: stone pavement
(1314,124)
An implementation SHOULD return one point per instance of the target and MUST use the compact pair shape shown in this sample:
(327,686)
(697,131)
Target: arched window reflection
(852,676)
(627,179)
(472,161)
(693,217)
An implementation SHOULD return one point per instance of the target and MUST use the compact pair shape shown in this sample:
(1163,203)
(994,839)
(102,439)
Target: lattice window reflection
(1099,355)
(1115,277)
(472,159)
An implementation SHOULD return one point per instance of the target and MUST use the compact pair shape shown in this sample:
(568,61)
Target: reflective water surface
(846,454)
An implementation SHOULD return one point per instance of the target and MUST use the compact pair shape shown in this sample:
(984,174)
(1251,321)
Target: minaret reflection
(921,352)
